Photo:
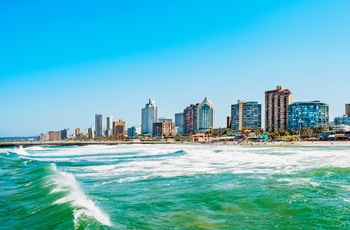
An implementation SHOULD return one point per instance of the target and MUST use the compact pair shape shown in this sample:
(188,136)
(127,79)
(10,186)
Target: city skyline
(64,62)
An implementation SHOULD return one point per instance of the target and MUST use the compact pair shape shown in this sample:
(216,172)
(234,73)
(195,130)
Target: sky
(61,62)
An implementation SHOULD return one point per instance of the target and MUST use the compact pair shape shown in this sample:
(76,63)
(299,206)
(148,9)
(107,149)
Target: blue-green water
(175,187)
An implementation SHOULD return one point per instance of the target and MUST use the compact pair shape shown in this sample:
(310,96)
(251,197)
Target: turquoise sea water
(175,187)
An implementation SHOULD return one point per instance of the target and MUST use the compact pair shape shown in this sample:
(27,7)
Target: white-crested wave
(20,151)
(35,148)
(127,162)
(66,182)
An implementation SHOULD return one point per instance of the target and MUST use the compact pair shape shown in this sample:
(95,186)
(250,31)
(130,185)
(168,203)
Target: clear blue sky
(63,61)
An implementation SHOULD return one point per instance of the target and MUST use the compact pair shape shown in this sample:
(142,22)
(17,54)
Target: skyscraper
(64,134)
(190,119)
(206,115)
(276,108)
(310,115)
(77,132)
(149,116)
(99,125)
(109,128)
(91,133)
(245,115)
(179,121)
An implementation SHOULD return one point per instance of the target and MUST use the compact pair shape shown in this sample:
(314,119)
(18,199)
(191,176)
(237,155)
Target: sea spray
(66,182)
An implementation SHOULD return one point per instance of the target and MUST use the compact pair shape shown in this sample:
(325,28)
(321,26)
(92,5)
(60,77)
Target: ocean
(178,186)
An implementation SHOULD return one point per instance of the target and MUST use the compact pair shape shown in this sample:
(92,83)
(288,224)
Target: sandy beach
(292,143)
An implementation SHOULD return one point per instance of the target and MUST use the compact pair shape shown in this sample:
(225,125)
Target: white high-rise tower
(149,116)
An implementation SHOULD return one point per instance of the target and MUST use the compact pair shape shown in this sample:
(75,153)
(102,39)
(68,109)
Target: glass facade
(307,115)
(206,113)
(342,120)
(99,125)
(149,116)
(245,115)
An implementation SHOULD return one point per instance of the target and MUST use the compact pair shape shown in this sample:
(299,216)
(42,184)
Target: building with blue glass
(245,115)
(344,120)
(307,115)
(206,115)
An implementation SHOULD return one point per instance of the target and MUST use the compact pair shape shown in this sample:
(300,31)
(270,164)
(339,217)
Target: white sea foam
(20,151)
(219,159)
(35,148)
(81,203)
(125,162)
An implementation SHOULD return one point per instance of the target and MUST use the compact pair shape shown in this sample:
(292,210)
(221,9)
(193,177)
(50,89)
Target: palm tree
(317,130)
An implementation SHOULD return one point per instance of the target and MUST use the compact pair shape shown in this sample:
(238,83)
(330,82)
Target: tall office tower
(347,110)
(109,128)
(206,115)
(99,125)
(149,116)
(91,133)
(190,119)
(119,127)
(245,115)
(276,108)
(64,134)
(179,121)
(109,123)
(77,132)
(310,115)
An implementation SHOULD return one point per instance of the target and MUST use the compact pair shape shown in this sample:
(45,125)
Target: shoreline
(221,143)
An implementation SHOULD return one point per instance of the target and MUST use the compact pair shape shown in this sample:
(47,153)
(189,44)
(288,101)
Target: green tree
(317,130)
(305,133)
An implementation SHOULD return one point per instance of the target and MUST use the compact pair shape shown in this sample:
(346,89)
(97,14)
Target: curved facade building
(206,115)
(307,115)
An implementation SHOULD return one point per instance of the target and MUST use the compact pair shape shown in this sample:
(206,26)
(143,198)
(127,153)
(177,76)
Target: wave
(36,195)
(66,182)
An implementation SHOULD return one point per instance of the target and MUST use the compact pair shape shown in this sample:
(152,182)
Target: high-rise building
(99,125)
(149,116)
(119,127)
(179,121)
(347,110)
(77,132)
(64,134)
(190,119)
(164,128)
(206,115)
(310,115)
(91,133)
(245,115)
(276,108)
(109,128)
(54,135)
